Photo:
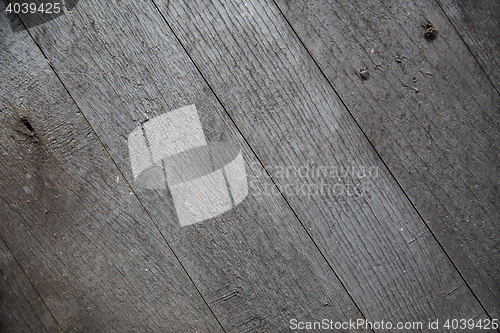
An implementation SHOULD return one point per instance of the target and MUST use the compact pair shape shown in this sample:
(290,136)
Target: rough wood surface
(430,112)
(255,266)
(21,308)
(289,114)
(478,23)
(70,220)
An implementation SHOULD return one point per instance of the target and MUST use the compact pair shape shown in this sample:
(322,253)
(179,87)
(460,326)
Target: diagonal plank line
(123,176)
(382,160)
(33,286)
(260,162)
(466,44)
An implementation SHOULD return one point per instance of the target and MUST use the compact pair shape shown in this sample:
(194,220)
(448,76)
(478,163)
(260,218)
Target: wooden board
(255,266)
(478,23)
(81,237)
(263,263)
(290,115)
(21,308)
(429,111)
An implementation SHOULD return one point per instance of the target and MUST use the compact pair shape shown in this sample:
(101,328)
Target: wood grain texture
(70,219)
(255,265)
(284,107)
(21,308)
(478,23)
(430,112)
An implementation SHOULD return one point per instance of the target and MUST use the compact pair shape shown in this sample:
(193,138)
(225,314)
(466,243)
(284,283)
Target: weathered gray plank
(440,141)
(255,265)
(478,23)
(71,221)
(286,110)
(21,309)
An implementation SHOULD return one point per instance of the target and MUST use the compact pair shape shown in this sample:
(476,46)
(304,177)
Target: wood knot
(24,120)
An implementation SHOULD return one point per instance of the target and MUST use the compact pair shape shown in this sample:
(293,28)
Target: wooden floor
(410,232)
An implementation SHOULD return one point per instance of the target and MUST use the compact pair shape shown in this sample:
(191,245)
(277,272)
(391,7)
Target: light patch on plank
(205,179)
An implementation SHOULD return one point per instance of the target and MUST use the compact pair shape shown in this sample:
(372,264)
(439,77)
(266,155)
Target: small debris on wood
(431,31)
(363,73)
(400,58)
(415,89)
